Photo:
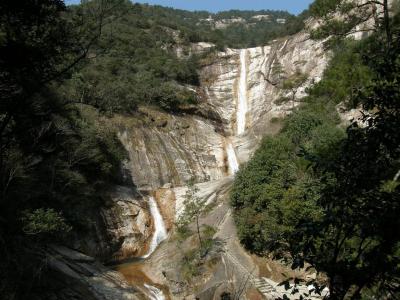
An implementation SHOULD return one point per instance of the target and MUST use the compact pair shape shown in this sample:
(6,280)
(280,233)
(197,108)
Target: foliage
(43,221)
(133,64)
(194,26)
(277,189)
(312,194)
(190,265)
(342,18)
(194,259)
(193,208)
(291,84)
(346,76)
(56,157)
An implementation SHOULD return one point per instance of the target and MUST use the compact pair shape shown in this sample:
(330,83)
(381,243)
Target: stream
(133,272)
(155,293)
(160,232)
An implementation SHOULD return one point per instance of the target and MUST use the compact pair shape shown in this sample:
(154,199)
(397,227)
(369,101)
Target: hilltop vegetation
(135,61)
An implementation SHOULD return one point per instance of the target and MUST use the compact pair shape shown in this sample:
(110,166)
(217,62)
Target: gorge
(208,151)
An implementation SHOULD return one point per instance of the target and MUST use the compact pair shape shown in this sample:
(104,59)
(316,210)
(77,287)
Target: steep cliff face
(243,91)
(267,69)
(166,151)
(128,222)
(173,151)
(118,230)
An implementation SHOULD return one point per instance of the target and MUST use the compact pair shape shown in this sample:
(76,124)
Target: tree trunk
(357,294)
(386,22)
(198,232)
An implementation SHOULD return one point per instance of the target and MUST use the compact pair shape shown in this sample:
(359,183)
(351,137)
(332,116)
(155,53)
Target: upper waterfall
(160,232)
(242,94)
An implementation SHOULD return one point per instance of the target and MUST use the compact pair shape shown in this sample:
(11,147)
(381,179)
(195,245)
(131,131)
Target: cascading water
(160,232)
(232,159)
(155,293)
(242,95)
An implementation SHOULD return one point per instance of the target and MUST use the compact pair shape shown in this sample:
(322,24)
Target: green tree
(355,243)
(336,207)
(194,207)
(291,84)
(340,18)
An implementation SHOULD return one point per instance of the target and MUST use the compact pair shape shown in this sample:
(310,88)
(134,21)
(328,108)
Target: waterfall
(242,95)
(232,159)
(155,293)
(160,232)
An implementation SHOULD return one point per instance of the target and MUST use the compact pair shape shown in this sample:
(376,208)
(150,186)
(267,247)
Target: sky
(292,6)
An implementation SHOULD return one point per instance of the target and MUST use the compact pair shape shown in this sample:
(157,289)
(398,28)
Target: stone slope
(73,275)
(220,84)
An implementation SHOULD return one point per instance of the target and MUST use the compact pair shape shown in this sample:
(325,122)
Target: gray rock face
(184,148)
(170,150)
(73,275)
(118,230)
(193,49)
(267,68)
(176,149)
(128,222)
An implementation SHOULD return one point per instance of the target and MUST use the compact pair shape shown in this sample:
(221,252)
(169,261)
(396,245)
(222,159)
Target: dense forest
(57,155)
(326,196)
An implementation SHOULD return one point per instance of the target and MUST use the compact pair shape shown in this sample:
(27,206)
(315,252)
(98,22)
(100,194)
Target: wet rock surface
(118,230)
(74,275)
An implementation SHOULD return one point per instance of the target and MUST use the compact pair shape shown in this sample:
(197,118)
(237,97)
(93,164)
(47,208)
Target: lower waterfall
(160,232)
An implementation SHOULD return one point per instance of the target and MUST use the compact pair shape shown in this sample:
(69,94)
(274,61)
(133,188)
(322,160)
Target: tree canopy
(56,156)
(316,195)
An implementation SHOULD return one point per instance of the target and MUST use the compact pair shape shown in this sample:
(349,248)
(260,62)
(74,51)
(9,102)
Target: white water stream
(160,232)
(233,163)
(242,95)
(154,293)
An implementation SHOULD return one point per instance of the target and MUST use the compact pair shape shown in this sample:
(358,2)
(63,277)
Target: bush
(44,222)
